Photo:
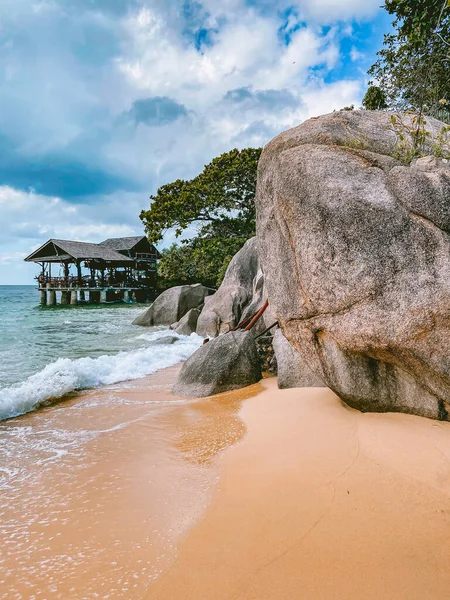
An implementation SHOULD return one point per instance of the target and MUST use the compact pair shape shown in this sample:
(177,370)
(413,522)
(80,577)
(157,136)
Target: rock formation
(187,324)
(228,362)
(293,371)
(355,251)
(241,294)
(172,305)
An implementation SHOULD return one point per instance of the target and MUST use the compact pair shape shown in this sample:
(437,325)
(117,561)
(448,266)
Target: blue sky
(103,101)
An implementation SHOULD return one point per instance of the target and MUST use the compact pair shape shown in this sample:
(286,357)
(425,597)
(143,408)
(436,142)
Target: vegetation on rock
(375,99)
(413,67)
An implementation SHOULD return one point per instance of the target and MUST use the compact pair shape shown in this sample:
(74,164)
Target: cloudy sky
(103,101)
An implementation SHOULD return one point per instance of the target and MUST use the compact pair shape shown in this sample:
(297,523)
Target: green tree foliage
(220,198)
(413,67)
(201,260)
(219,203)
(375,99)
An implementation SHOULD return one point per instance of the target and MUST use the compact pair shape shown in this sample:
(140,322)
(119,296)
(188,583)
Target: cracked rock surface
(355,251)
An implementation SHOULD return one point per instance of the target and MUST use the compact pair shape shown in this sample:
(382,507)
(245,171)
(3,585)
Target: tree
(220,204)
(221,199)
(375,99)
(413,68)
(201,260)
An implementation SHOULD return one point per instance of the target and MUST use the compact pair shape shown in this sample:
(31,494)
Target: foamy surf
(64,375)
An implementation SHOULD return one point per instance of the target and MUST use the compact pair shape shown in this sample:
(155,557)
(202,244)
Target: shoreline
(130,492)
(100,489)
(320,501)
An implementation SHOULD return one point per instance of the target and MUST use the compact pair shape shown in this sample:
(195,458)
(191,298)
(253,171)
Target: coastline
(130,492)
(100,488)
(319,501)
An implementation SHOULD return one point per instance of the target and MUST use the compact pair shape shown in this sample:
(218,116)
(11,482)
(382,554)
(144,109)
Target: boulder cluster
(353,255)
(238,358)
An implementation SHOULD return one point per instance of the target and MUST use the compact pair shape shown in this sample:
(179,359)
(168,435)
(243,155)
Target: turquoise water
(46,353)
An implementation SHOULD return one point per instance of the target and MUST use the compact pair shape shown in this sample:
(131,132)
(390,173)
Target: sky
(103,101)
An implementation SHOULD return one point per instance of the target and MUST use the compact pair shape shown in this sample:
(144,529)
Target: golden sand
(322,502)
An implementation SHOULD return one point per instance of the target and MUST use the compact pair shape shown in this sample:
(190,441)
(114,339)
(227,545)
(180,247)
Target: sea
(47,353)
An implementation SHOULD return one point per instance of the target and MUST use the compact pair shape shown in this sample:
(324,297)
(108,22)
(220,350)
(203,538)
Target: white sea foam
(65,375)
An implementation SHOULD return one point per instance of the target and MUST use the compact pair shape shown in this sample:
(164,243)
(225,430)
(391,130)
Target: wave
(64,375)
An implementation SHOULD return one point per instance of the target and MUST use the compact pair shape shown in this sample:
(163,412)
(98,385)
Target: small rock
(168,339)
(188,324)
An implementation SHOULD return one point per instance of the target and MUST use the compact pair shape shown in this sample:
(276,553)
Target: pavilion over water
(115,269)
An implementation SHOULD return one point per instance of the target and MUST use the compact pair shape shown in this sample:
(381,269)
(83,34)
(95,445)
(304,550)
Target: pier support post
(82,296)
(65,297)
(73,297)
(141,295)
(126,296)
(94,297)
(43,298)
(52,297)
(110,295)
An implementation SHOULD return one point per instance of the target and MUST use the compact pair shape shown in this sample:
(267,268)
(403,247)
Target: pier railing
(44,281)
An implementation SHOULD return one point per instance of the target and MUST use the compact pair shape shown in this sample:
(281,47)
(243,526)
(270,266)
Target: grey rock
(430,163)
(355,251)
(173,304)
(223,310)
(188,324)
(164,341)
(293,371)
(228,362)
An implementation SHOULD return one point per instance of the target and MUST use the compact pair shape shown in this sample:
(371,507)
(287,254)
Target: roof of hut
(124,243)
(60,250)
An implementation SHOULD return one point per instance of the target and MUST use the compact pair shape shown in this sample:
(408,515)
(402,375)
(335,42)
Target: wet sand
(319,501)
(97,491)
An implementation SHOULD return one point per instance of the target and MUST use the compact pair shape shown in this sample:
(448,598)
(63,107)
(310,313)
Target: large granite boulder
(223,310)
(293,371)
(172,305)
(355,251)
(228,362)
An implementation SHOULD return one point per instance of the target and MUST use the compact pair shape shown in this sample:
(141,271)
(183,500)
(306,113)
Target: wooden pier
(73,296)
(116,270)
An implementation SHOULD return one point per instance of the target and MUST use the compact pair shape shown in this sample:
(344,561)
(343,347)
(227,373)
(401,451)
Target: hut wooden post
(79,276)
(65,297)
(94,297)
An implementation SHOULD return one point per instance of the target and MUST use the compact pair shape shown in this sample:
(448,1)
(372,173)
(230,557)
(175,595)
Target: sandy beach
(130,492)
(319,501)
(97,491)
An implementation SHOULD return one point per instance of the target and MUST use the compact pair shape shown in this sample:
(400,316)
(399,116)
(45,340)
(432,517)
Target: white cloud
(8,258)
(355,54)
(331,10)
(29,219)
